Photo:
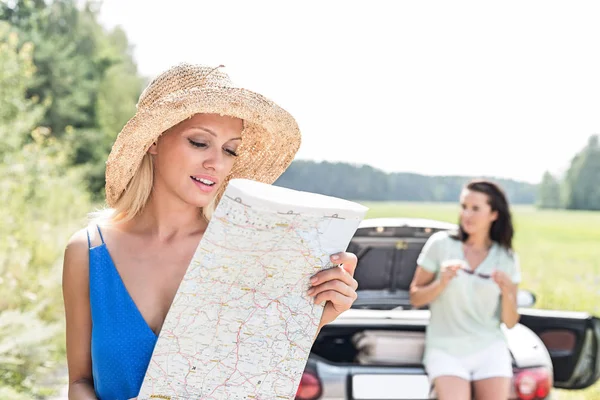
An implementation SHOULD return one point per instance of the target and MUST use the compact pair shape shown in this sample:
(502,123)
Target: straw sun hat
(270,138)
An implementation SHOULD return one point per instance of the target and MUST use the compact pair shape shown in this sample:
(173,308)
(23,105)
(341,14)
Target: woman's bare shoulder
(76,255)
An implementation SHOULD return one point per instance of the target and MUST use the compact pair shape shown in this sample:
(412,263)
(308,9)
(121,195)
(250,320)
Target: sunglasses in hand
(479,274)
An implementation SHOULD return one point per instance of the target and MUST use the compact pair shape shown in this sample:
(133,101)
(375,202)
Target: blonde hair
(136,195)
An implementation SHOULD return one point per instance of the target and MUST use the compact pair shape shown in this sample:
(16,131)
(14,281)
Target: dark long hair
(502,230)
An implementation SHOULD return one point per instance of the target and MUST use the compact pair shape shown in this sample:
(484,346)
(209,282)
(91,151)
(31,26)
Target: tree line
(579,188)
(365,183)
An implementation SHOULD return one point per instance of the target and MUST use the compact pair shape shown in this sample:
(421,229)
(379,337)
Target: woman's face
(476,215)
(193,158)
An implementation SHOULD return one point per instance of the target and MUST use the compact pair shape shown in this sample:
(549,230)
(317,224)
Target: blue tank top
(122,342)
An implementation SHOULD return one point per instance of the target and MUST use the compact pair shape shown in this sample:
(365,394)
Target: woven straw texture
(270,139)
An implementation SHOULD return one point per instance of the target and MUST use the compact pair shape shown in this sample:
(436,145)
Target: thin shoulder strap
(100,232)
(88,235)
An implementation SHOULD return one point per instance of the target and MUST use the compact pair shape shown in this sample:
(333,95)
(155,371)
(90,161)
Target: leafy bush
(42,203)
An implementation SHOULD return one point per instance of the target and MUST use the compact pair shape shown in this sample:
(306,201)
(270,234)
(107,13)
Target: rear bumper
(337,381)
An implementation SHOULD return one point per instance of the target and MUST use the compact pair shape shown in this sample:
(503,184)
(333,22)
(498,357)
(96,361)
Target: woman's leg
(492,388)
(492,373)
(449,387)
(450,377)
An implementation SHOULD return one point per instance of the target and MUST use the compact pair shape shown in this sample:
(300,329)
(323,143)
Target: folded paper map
(241,325)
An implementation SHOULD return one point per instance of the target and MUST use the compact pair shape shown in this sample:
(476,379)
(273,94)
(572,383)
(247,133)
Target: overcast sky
(507,89)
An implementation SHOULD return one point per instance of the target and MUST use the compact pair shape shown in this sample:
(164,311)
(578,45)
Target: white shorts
(491,362)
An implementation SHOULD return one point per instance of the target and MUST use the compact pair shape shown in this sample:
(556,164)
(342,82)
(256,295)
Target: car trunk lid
(387,252)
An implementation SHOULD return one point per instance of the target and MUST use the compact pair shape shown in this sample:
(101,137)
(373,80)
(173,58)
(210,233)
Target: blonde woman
(192,132)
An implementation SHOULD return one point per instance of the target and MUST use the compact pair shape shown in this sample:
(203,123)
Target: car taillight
(533,383)
(309,388)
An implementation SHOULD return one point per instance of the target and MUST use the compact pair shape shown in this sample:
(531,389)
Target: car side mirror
(525,298)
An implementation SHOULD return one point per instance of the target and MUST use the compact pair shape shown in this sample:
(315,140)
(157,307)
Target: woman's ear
(494,216)
(153,149)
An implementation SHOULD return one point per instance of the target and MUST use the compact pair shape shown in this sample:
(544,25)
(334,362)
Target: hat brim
(270,140)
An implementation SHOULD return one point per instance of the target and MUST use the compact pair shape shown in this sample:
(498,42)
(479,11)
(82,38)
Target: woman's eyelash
(201,145)
(197,144)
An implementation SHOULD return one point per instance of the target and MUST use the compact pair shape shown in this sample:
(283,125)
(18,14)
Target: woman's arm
(78,317)
(510,314)
(424,288)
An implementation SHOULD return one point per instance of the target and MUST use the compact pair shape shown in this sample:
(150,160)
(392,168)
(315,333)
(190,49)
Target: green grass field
(559,253)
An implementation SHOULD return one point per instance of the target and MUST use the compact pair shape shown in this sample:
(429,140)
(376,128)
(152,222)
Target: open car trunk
(387,260)
(399,347)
